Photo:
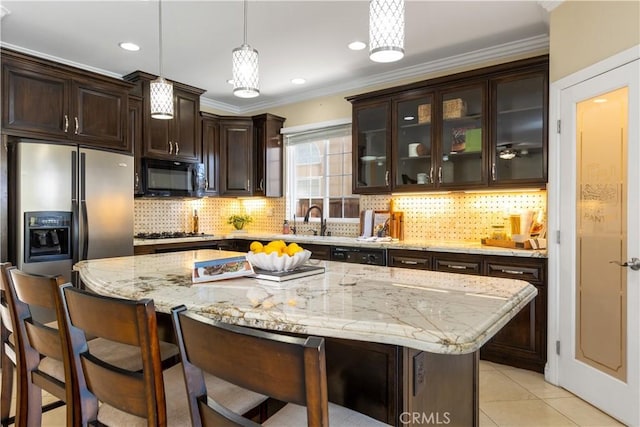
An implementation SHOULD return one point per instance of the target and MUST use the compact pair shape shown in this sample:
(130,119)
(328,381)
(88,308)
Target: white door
(599,300)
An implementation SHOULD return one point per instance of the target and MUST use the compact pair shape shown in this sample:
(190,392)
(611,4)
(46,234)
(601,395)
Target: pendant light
(245,67)
(161,90)
(386,30)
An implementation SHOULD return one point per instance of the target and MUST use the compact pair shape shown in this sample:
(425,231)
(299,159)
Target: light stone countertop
(431,311)
(422,245)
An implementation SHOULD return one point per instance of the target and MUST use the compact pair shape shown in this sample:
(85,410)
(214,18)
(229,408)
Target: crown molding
(480,56)
(502,51)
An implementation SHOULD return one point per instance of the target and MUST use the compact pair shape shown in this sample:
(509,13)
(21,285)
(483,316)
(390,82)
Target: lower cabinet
(522,342)
(524,338)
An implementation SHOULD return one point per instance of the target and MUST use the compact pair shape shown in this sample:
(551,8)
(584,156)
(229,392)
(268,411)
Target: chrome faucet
(323,222)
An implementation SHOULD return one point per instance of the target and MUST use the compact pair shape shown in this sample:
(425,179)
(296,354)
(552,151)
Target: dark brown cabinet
(418,260)
(478,129)
(524,338)
(211,152)
(457,263)
(269,151)
(44,99)
(135,140)
(177,138)
(523,341)
(236,157)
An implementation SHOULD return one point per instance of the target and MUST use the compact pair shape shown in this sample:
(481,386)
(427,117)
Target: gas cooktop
(170,235)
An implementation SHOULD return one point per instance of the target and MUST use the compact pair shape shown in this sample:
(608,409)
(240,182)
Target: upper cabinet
(519,133)
(478,129)
(211,153)
(269,151)
(371,149)
(236,156)
(48,100)
(177,138)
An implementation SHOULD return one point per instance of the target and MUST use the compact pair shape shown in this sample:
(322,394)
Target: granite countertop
(431,311)
(423,245)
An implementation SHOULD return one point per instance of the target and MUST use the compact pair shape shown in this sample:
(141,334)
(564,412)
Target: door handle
(177,148)
(77,125)
(386,178)
(66,123)
(634,264)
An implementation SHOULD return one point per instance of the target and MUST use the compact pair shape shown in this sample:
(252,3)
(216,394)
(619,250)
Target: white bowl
(273,262)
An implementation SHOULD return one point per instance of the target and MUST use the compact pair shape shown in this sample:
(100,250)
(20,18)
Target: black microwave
(170,178)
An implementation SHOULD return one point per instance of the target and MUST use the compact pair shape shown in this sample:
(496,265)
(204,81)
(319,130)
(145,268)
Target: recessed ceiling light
(298,81)
(357,45)
(129,46)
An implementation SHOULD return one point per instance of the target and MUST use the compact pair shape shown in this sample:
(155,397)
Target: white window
(319,173)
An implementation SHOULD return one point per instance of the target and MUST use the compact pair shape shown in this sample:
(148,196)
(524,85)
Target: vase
(238,225)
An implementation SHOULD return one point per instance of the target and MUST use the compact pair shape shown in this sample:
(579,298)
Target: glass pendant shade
(245,72)
(386,30)
(161,99)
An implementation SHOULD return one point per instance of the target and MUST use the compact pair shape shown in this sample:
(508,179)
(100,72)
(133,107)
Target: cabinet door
(522,341)
(185,133)
(458,263)
(419,260)
(100,115)
(412,145)
(157,136)
(211,154)
(135,140)
(519,143)
(268,154)
(236,157)
(461,154)
(35,102)
(371,148)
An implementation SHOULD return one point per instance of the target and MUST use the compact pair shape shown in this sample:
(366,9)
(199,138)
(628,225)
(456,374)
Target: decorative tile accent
(433,216)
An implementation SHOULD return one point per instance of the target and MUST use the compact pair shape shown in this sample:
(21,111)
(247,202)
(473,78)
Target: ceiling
(302,38)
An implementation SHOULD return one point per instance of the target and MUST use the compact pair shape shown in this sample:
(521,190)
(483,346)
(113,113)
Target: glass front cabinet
(519,143)
(468,131)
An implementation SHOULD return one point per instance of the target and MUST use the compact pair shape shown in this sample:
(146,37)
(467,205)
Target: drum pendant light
(386,30)
(245,67)
(161,90)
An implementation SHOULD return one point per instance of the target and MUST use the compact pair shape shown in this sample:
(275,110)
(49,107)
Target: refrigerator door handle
(75,249)
(83,205)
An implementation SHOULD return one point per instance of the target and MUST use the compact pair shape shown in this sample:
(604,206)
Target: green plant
(238,221)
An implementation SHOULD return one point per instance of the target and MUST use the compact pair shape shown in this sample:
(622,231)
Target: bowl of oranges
(277,255)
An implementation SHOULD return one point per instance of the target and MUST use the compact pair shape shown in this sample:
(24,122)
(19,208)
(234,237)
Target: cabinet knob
(77,125)
(66,123)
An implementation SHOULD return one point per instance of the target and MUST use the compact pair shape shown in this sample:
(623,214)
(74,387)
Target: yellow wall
(585,32)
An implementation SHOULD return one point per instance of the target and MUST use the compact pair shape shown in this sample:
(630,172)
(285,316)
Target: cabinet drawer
(529,273)
(409,259)
(458,264)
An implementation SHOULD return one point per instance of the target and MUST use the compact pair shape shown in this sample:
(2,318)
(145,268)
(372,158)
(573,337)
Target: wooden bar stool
(286,368)
(117,397)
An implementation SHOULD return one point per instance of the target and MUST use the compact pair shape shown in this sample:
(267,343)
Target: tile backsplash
(430,216)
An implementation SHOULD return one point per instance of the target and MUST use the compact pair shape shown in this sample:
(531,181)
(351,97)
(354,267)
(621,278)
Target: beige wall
(585,32)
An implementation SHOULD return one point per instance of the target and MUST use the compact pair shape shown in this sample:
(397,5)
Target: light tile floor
(508,397)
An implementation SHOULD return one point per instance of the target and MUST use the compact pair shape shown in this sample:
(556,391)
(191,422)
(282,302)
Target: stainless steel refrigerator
(71,204)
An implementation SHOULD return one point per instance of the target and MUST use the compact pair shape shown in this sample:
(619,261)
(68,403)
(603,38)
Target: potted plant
(238,221)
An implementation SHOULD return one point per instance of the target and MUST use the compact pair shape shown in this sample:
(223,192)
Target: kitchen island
(425,328)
